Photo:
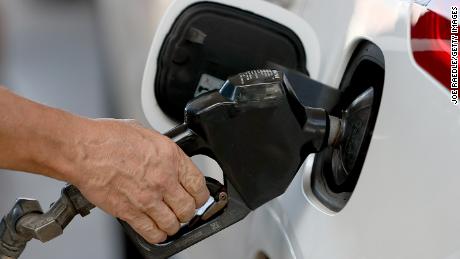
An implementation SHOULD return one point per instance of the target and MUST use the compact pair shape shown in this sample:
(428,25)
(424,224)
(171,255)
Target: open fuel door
(200,43)
(209,42)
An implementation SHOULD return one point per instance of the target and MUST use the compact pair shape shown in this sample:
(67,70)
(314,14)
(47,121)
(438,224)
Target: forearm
(36,138)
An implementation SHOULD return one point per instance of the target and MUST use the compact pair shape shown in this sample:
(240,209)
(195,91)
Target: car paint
(404,203)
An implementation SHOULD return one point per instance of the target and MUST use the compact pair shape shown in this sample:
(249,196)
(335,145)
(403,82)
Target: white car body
(404,204)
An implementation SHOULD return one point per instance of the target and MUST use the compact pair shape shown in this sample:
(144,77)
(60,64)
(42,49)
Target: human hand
(137,175)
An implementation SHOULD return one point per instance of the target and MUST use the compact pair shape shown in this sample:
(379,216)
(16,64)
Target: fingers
(180,202)
(145,227)
(153,185)
(164,218)
(193,182)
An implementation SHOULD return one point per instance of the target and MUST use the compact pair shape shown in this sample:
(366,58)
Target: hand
(139,176)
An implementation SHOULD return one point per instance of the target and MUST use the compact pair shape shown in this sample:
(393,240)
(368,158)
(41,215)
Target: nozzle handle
(234,211)
(190,234)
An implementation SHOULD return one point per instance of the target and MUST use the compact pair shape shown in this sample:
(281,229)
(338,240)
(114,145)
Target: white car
(393,194)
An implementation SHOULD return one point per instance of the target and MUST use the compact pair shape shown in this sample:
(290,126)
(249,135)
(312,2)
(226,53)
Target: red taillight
(430,42)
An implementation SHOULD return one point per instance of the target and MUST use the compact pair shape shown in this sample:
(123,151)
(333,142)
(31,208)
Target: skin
(133,173)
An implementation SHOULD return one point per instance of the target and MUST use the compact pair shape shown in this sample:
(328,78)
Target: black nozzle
(258,132)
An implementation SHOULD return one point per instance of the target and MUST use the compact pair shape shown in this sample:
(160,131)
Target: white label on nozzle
(208,83)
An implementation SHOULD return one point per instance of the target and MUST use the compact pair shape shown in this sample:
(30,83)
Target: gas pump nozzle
(259,132)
